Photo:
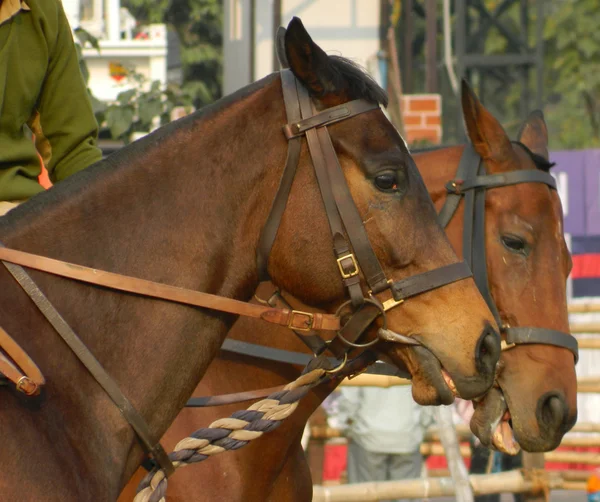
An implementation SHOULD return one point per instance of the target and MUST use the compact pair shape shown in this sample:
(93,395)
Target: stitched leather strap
(282,317)
(468,160)
(137,422)
(543,336)
(458,186)
(269,231)
(428,281)
(471,182)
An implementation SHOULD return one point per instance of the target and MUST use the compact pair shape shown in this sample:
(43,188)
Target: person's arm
(65,127)
(347,406)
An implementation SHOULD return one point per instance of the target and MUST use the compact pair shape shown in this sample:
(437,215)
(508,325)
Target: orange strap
(292,319)
(19,369)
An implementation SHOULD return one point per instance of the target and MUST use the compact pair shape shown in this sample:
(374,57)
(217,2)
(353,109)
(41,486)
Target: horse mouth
(492,423)
(432,384)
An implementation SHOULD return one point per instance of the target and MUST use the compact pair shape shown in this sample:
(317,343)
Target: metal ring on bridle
(372,301)
(340,367)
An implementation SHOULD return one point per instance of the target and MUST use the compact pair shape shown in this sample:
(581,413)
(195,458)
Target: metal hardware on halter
(504,345)
(347,275)
(340,367)
(308,324)
(390,304)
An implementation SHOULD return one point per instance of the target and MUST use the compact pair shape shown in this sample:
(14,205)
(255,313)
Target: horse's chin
(492,424)
(431,384)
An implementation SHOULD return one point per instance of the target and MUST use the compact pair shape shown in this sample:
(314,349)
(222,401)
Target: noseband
(352,249)
(471,182)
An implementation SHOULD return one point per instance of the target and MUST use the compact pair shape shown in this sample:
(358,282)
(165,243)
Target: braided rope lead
(230,433)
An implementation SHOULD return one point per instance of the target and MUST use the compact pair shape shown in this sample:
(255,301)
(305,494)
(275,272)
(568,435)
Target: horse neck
(181,208)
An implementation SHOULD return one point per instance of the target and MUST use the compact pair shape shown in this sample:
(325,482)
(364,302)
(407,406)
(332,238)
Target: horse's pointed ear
(534,134)
(486,134)
(308,61)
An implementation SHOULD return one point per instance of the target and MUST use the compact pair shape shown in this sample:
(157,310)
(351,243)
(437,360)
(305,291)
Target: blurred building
(123,44)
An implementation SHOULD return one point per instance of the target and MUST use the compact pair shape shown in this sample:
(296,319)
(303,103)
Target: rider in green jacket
(42,92)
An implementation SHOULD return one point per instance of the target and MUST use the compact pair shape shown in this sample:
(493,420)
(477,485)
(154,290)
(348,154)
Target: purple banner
(570,182)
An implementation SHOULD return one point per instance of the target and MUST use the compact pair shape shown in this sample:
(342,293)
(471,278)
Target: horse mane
(360,84)
(540,162)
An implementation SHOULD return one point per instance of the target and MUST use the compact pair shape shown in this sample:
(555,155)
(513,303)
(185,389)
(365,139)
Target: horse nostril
(553,411)
(488,351)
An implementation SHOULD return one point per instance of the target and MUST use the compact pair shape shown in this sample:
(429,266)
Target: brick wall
(422,118)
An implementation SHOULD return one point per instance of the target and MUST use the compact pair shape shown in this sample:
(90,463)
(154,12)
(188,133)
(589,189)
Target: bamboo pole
(580,328)
(589,385)
(432,437)
(451,446)
(584,308)
(482,484)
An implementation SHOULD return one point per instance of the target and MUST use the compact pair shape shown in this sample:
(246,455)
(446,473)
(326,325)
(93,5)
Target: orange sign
(117,71)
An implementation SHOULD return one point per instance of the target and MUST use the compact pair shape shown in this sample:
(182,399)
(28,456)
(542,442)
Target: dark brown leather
(471,182)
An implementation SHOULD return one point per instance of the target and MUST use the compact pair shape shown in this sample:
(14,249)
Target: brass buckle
(504,345)
(310,318)
(391,303)
(339,263)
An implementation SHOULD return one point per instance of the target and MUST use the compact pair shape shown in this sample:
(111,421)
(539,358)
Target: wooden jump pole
(482,484)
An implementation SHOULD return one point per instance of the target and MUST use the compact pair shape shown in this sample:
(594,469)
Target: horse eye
(387,182)
(514,243)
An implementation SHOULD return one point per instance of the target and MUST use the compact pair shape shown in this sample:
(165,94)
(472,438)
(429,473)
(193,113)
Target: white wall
(345,27)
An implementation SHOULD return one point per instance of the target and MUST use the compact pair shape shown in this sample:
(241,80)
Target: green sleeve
(65,110)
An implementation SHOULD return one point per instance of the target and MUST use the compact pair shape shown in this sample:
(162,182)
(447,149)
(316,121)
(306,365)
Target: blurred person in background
(46,116)
(385,429)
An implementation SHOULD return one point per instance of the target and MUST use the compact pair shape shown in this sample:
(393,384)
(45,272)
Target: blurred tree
(573,72)
(199,26)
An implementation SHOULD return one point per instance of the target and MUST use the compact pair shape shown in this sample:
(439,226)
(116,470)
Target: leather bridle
(471,183)
(352,249)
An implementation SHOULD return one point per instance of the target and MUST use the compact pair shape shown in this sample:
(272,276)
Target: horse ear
(308,61)
(534,134)
(486,134)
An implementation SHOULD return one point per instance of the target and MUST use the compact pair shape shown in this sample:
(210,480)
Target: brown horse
(185,206)
(528,264)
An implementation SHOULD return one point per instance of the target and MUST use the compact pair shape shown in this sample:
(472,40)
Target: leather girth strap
(137,422)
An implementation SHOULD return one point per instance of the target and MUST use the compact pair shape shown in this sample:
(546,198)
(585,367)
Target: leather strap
(328,117)
(471,182)
(282,317)
(18,366)
(137,422)
(269,231)
(459,186)
(428,281)
(468,160)
(543,336)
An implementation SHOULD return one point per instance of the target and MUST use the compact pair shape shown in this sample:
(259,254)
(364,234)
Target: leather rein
(353,253)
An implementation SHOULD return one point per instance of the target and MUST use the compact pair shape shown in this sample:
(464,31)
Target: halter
(353,255)
(471,182)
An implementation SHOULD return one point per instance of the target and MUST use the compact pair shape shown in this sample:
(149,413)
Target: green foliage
(573,72)
(199,26)
(139,110)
